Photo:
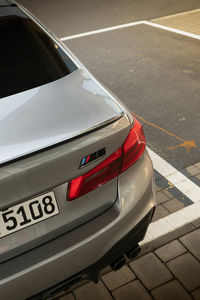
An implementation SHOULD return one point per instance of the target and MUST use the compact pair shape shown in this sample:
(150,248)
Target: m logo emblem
(88,159)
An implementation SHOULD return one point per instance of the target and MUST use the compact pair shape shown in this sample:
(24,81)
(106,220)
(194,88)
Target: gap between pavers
(171,227)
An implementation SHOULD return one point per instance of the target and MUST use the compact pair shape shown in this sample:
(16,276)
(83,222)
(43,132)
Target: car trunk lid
(53,113)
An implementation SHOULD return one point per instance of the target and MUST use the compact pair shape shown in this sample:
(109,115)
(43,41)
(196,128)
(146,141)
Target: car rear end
(77,190)
(97,228)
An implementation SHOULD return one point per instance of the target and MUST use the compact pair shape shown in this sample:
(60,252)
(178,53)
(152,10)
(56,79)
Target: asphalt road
(155,72)
(67,17)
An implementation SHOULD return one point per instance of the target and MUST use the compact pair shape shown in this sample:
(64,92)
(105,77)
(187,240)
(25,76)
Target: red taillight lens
(133,146)
(111,167)
(101,174)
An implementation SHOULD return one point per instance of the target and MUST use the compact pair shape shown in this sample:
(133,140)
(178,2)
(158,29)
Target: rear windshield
(28,57)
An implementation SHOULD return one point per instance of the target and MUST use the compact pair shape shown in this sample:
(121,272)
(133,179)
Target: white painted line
(75,36)
(169,224)
(179,180)
(178,31)
(178,14)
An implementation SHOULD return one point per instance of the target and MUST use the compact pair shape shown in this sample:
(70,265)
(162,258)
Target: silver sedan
(77,190)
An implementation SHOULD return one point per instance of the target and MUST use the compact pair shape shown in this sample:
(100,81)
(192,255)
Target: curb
(171,227)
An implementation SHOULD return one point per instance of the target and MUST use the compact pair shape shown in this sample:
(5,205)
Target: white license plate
(28,213)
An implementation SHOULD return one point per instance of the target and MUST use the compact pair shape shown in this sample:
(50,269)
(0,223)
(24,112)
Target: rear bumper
(94,244)
(122,247)
(125,245)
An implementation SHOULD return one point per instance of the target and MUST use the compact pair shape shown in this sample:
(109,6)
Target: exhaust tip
(118,264)
(134,252)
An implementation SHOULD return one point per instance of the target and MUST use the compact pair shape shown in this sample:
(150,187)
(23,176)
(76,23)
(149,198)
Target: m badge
(92,157)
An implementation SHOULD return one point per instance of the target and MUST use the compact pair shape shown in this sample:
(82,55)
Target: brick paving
(189,21)
(169,198)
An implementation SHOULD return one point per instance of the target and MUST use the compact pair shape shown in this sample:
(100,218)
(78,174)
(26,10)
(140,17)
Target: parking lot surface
(71,17)
(143,66)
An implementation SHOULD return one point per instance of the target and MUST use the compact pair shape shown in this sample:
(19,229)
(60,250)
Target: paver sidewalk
(171,272)
(169,198)
(188,21)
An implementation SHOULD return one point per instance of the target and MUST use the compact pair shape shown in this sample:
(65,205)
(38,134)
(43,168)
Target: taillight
(133,146)
(112,166)
(102,173)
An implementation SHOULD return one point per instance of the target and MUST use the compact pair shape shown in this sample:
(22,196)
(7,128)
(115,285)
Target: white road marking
(75,36)
(178,31)
(179,180)
(178,14)
(182,32)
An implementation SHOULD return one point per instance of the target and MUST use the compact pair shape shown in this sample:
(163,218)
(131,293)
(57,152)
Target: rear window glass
(28,57)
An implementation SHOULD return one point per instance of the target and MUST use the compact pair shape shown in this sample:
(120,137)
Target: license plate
(27,213)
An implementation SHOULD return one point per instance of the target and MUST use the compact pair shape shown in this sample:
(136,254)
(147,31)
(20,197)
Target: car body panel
(46,131)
